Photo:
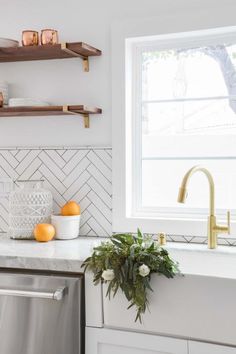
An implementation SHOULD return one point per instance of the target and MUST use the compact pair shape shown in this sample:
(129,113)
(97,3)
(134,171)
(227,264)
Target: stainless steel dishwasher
(41,314)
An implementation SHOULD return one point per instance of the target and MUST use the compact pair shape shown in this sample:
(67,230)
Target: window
(180,111)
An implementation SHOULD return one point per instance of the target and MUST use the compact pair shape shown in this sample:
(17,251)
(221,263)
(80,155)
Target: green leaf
(147,284)
(140,236)
(108,293)
(124,253)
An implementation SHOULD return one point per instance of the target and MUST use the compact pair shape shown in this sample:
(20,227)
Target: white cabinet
(207,348)
(108,341)
(111,341)
(180,307)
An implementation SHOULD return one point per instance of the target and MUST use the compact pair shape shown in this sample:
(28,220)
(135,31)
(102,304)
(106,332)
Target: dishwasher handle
(57,295)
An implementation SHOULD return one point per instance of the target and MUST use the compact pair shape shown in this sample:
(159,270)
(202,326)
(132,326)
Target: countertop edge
(45,264)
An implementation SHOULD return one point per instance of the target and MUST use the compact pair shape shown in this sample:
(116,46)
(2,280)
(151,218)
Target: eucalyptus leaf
(124,254)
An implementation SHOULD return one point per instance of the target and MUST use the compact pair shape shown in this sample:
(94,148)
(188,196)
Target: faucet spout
(183,189)
(213,228)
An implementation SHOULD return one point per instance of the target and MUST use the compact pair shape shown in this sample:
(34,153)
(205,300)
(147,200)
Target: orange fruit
(44,232)
(70,208)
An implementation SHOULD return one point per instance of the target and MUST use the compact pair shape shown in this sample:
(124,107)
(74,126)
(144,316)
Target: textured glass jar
(29,204)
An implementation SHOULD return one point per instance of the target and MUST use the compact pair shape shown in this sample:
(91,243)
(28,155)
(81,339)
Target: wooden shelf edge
(31,111)
(48,52)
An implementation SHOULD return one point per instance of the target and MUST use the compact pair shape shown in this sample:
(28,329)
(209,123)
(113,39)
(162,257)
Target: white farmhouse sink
(199,260)
(199,305)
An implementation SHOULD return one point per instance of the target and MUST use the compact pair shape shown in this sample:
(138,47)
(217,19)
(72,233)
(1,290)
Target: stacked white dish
(26,102)
(8,43)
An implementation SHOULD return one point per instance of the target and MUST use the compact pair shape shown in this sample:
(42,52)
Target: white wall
(64,81)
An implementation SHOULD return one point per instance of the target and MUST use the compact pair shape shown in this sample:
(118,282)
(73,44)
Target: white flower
(108,274)
(144,270)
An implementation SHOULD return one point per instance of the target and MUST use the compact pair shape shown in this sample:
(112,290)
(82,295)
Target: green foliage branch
(127,262)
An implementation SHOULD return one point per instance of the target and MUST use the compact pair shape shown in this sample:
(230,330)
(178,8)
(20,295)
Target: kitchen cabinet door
(109,341)
(207,348)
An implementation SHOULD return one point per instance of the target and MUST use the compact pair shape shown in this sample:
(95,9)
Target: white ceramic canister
(4,90)
(29,204)
(67,227)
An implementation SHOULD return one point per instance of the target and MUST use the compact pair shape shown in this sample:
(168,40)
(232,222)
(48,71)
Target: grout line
(99,225)
(36,171)
(99,170)
(81,186)
(61,168)
(110,195)
(75,166)
(109,167)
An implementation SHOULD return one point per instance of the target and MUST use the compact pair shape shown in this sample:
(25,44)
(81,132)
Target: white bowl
(26,102)
(8,43)
(67,227)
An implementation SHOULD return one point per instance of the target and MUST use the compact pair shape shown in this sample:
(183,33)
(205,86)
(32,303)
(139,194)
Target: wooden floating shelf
(47,52)
(82,110)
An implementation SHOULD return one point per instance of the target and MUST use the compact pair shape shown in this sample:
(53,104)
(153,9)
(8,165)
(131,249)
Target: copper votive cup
(49,36)
(30,38)
(1,99)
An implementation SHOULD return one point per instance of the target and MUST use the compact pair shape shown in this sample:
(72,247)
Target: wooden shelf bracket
(71,52)
(85,115)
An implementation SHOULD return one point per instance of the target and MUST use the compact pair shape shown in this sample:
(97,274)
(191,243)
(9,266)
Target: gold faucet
(213,229)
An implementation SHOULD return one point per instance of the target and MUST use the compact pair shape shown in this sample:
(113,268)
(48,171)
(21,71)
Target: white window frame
(123,162)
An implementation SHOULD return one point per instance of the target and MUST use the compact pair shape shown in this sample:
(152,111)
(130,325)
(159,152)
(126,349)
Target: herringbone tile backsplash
(81,174)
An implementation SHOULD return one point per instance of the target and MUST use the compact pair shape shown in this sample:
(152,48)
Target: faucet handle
(219,229)
(228,222)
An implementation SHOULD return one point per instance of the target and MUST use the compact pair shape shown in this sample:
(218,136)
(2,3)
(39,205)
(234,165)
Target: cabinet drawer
(107,341)
(207,348)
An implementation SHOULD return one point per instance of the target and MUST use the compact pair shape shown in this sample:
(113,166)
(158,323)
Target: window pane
(161,180)
(188,112)
(194,72)
(192,128)
(214,116)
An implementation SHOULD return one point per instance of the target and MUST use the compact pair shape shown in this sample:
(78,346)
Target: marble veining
(66,256)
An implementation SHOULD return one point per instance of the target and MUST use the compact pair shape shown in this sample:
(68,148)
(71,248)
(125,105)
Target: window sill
(172,226)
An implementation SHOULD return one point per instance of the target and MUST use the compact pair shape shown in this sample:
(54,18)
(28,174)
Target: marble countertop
(65,256)
(68,256)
